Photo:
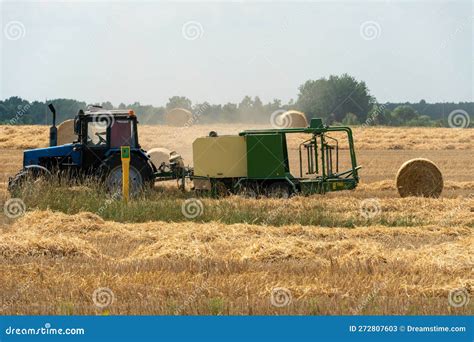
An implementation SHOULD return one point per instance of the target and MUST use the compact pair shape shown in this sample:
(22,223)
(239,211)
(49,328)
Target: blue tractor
(95,154)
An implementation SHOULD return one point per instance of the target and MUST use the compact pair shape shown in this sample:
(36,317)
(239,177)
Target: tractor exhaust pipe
(53,131)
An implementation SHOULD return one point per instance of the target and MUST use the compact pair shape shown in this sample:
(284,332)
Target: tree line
(337,99)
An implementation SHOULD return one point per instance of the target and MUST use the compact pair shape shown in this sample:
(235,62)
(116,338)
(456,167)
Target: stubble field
(366,251)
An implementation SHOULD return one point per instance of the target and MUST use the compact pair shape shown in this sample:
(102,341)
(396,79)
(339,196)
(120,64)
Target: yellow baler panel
(220,157)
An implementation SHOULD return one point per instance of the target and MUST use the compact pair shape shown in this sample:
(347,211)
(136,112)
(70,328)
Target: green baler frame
(267,159)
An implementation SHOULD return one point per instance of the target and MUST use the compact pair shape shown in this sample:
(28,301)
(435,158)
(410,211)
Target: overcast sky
(219,52)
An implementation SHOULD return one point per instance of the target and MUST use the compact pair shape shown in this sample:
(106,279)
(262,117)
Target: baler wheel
(219,189)
(278,190)
(248,191)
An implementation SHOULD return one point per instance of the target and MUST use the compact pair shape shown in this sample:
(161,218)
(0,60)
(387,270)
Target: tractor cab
(101,133)
(94,153)
(98,128)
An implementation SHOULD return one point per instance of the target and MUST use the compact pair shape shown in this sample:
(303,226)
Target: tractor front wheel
(140,175)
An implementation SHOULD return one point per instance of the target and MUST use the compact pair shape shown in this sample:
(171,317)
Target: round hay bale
(419,177)
(66,132)
(178,117)
(294,119)
(160,155)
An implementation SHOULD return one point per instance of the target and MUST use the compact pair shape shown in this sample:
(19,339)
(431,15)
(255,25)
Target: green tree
(229,113)
(378,115)
(421,121)
(179,102)
(334,97)
(66,109)
(14,110)
(350,119)
(107,105)
(245,109)
(403,114)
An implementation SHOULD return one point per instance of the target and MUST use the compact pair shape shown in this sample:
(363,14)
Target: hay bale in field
(294,119)
(178,117)
(48,223)
(66,132)
(160,155)
(32,245)
(419,177)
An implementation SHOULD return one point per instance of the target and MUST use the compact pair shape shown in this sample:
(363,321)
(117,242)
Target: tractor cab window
(96,134)
(121,134)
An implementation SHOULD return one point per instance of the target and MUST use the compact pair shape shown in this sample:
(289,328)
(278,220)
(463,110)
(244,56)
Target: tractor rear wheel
(28,181)
(140,174)
(278,190)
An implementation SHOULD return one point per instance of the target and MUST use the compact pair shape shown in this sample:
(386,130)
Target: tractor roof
(108,112)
